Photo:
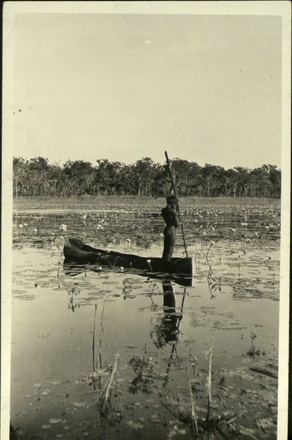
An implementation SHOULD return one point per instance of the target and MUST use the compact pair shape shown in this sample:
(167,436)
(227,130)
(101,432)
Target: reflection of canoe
(75,251)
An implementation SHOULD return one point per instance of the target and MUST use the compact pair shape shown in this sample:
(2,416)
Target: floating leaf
(135,425)
(79,404)
(46,392)
(55,421)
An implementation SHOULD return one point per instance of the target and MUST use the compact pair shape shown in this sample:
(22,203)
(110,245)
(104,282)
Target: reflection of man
(171,320)
(170,216)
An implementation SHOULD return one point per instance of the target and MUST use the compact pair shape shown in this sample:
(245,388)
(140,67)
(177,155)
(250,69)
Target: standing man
(170,216)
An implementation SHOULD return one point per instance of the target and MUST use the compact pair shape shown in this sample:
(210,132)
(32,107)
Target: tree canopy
(36,177)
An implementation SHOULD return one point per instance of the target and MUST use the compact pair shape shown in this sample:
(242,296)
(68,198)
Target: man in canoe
(170,216)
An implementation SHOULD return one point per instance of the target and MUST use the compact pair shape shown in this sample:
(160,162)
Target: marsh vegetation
(106,354)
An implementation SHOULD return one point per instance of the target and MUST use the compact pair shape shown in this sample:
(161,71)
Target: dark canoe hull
(75,251)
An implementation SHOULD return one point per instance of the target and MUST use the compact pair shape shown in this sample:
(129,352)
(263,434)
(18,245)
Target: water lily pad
(79,404)
(242,274)
(54,421)
(135,425)
(46,392)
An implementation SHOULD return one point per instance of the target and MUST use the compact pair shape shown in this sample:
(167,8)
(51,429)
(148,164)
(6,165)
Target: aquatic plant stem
(110,381)
(211,244)
(101,333)
(105,393)
(193,412)
(58,275)
(93,341)
(209,381)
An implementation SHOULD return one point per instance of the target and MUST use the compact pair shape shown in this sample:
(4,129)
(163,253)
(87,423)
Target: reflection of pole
(93,346)
(174,190)
(183,300)
(93,341)
(173,349)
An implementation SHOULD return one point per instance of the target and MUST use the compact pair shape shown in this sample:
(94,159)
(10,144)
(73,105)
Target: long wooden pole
(174,190)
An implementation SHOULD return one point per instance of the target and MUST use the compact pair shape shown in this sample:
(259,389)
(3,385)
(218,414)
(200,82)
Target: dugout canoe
(75,251)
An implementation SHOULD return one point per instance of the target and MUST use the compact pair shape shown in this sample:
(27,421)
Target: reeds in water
(104,397)
(209,381)
(101,333)
(193,411)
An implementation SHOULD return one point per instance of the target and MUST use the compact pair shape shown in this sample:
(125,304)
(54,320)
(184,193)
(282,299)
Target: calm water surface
(72,334)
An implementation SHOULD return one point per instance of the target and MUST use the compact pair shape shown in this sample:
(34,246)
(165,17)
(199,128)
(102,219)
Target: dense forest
(36,177)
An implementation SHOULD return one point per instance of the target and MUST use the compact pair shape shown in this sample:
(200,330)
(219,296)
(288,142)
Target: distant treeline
(36,177)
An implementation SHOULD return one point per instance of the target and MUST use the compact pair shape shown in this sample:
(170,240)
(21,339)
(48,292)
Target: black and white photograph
(145,220)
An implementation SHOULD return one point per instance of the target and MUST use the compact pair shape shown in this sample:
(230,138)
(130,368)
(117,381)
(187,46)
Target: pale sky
(206,88)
